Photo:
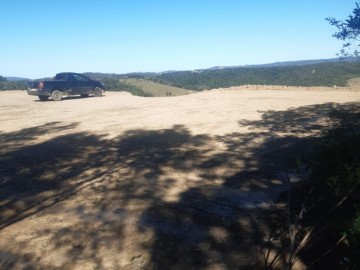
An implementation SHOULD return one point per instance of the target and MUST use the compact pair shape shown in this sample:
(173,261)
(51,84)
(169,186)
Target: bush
(338,163)
(352,259)
(336,172)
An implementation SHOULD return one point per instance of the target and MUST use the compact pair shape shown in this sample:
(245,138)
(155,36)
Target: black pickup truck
(65,84)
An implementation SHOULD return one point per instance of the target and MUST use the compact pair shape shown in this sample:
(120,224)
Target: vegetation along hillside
(6,84)
(324,74)
(181,82)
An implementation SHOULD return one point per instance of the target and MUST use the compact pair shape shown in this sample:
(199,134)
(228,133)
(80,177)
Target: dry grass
(157,89)
(354,83)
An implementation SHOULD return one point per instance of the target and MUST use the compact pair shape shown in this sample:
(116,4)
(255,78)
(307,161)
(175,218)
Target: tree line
(11,85)
(325,74)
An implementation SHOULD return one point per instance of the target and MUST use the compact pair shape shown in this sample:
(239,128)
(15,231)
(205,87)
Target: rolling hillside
(324,74)
(156,89)
(174,83)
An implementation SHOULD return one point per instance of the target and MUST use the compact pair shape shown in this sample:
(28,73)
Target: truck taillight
(41,85)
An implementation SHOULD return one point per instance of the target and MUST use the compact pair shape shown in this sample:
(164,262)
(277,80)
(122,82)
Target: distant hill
(320,74)
(102,76)
(290,63)
(307,62)
(137,84)
(323,72)
(16,79)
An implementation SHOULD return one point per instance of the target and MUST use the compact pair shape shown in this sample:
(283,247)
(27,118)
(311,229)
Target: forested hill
(324,74)
(6,84)
(319,74)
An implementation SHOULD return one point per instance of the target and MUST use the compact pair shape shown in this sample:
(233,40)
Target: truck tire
(56,95)
(98,92)
(43,98)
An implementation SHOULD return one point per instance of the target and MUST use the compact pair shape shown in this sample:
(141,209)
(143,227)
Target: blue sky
(42,37)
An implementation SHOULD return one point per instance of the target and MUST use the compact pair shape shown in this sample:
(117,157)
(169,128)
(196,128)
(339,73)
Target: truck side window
(80,77)
(60,76)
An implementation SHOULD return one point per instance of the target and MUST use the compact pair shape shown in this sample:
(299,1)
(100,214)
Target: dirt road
(124,182)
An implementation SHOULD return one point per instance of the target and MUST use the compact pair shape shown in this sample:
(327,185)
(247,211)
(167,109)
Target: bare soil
(124,182)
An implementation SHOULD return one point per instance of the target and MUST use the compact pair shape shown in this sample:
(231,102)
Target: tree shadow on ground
(148,199)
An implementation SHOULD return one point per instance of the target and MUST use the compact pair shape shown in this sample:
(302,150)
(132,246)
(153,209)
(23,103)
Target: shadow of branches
(148,199)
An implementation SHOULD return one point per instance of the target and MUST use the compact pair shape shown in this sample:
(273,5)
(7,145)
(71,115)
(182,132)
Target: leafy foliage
(349,32)
(353,235)
(336,168)
(338,164)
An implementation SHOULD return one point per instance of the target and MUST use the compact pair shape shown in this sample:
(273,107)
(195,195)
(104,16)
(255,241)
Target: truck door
(82,84)
(71,84)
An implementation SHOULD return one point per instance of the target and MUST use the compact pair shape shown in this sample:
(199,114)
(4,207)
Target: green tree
(349,33)
(2,79)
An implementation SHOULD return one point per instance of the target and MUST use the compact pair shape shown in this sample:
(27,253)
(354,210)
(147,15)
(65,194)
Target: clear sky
(42,37)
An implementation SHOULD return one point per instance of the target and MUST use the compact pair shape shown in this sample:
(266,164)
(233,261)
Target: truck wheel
(98,92)
(43,98)
(56,95)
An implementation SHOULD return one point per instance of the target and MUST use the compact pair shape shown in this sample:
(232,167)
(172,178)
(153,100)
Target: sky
(40,38)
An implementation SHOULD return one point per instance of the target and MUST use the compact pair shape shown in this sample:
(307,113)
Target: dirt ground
(125,182)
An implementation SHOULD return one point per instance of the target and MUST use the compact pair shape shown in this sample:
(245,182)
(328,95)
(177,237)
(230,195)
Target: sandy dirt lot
(124,182)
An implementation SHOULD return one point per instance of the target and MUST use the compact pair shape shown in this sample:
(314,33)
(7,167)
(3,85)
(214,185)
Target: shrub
(336,169)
